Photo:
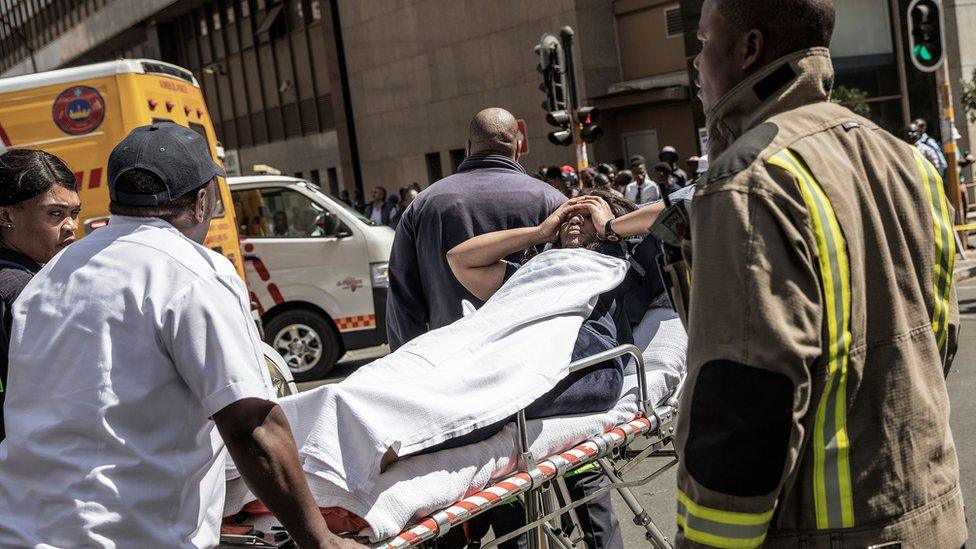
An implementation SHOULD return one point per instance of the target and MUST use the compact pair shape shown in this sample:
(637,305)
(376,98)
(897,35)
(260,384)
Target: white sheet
(483,368)
(665,343)
(419,485)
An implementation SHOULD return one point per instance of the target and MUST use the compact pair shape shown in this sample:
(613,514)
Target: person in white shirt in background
(641,190)
(132,355)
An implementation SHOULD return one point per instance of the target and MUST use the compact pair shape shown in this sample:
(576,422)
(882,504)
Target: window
(282,213)
(333,181)
(673,22)
(315,178)
(296,13)
(457,156)
(434,172)
(272,25)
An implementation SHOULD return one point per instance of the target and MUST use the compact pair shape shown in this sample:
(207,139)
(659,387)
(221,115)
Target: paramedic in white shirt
(133,360)
(641,190)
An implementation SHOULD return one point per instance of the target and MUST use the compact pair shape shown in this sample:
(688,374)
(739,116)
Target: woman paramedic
(39,208)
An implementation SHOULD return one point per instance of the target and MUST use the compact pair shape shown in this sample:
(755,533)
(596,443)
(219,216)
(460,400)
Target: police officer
(822,317)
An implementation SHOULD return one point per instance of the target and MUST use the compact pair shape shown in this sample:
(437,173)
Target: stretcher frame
(541,484)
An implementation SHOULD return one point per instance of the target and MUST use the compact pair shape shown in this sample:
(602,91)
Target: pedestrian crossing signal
(589,131)
(563,120)
(925,22)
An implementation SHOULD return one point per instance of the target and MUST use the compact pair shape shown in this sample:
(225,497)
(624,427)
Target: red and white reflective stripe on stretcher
(519,483)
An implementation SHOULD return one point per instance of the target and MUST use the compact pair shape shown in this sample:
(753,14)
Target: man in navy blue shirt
(489,193)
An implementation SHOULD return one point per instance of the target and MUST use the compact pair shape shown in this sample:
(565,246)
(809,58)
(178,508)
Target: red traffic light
(587,115)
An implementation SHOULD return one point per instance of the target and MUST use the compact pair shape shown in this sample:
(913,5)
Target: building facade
(352,94)
(269,69)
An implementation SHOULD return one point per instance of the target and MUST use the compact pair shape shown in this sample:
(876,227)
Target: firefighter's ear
(6,220)
(754,46)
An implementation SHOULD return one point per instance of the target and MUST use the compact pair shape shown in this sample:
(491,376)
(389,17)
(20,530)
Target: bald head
(787,25)
(493,130)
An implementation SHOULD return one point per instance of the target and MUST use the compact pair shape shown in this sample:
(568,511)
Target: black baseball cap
(177,154)
(637,160)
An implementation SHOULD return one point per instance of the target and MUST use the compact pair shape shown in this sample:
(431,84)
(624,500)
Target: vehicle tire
(307,340)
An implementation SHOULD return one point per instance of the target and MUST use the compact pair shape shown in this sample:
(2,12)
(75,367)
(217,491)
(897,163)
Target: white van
(316,269)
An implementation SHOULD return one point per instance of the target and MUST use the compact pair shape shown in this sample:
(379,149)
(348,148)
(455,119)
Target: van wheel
(307,341)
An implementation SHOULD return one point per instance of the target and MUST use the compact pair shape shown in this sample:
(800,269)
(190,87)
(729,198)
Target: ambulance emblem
(78,110)
(350,283)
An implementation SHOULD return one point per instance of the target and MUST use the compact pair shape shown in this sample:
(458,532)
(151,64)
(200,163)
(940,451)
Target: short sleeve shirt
(122,348)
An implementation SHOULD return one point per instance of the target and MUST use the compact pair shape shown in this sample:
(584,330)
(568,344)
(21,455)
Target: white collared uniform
(650,192)
(122,348)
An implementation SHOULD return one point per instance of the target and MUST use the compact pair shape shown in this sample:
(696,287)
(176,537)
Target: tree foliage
(852,98)
(969,96)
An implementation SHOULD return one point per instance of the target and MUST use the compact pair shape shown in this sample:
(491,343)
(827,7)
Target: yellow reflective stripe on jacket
(945,251)
(833,500)
(717,528)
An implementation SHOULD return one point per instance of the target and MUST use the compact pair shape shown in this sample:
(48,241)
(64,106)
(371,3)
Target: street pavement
(658,496)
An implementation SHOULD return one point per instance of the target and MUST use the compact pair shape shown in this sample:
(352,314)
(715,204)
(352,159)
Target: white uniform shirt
(122,348)
(650,192)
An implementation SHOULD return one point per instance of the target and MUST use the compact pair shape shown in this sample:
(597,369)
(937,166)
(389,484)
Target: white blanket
(483,368)
(419,485)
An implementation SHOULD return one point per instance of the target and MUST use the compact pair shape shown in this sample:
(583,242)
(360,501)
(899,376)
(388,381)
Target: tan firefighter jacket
(821,318)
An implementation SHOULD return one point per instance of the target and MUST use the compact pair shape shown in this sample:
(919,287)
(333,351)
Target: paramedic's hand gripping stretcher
(465,382)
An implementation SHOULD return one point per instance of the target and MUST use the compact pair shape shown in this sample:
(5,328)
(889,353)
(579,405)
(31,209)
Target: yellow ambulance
(80,113)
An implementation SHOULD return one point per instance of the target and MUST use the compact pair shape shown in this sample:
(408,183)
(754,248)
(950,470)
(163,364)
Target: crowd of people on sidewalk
(383,208)
(635,183)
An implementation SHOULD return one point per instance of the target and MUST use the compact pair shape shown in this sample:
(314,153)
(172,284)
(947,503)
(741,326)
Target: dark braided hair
(28,173)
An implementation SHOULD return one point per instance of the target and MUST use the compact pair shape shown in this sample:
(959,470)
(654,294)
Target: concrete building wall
(672,124)
(646,49)
(418,70)
(863,27)
(301,154)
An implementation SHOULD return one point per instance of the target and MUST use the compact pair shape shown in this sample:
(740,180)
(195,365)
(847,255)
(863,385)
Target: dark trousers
(600,527)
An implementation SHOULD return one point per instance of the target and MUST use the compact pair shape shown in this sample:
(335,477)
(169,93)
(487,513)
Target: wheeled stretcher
(539,480)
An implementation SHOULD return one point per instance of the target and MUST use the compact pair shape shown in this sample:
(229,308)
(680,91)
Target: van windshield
(338,202)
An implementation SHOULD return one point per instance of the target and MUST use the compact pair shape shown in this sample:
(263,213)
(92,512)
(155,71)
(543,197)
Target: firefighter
(822,318)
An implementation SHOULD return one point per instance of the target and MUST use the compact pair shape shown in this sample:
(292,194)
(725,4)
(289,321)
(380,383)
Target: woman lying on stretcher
(480,266)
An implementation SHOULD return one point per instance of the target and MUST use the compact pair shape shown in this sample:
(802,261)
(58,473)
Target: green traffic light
(923,52)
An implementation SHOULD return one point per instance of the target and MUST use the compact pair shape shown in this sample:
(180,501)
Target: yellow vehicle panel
(81,120)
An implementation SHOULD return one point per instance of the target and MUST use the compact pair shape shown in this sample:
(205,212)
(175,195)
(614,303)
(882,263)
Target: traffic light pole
(949,146)
(582,162)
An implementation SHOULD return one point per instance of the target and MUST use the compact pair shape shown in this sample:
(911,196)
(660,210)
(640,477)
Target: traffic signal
(552,66)
(925,25)
(590,132)
(563,120)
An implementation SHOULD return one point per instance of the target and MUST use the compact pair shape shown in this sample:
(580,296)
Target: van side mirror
(343,231)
